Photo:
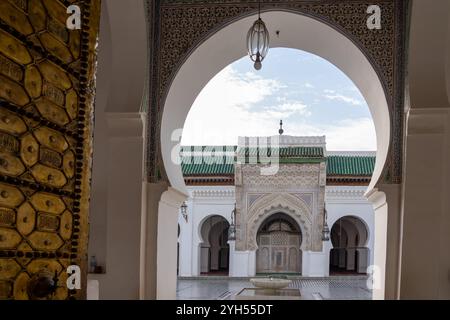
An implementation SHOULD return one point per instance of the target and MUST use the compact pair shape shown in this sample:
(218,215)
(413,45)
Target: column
(185,241)
(149,224)
(231,261)
(350,263)
(386,202)
(204,253)
(242,263)
(115,212)
(425,254)
(327,246)
(166,258)
(314,264)
(251,263)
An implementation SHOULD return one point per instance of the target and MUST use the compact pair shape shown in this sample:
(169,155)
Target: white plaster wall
(242,263)
(340,202)
(213,201)
(314,264)
(117,170)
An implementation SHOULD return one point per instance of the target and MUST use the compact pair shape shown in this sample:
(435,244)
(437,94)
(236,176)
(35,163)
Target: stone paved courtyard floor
(311,289)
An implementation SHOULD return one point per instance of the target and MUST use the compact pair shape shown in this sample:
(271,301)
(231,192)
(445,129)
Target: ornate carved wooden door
(278,251)
(46,103)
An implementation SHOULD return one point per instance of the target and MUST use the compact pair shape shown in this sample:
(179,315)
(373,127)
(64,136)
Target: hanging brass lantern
(258,41)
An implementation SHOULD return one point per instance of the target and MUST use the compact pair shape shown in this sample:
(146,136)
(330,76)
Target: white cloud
(345,135)
(352,135)
(353,89)
(223,109)
(333,95)
(236,89)
(308,58)
(285,110)
(230,106)
(309,85)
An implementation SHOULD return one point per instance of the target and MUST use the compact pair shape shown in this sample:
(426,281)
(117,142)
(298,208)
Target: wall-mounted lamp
(184,211)
(326,229)
(232,228)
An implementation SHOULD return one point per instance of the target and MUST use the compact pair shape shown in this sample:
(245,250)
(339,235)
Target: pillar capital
(173,197)
(376,197)
(427,121)
(126,125)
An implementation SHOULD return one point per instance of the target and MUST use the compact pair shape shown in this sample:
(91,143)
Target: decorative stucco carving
(251,198)
(306,197)
(237,175)
(183,28)
(323,174)
(350,193)
(294,189)
(277,198)
(285,205)
(207,193)
(306,175)
(179,26)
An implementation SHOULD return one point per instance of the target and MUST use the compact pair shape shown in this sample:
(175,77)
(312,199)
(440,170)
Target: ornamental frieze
(185,23)
(305,175)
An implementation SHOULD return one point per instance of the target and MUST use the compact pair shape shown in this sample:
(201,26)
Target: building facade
(296,209)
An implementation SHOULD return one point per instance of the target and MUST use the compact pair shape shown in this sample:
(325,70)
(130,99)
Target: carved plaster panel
(284,204)
(294,189)
(288,176)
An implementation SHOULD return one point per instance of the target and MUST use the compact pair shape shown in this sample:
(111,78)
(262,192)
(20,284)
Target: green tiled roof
(197,166)
(350,165)
(285,152)
(224,165)
(208,148)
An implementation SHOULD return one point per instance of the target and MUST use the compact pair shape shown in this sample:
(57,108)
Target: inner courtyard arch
(214,248)
(350,253)
(223,47)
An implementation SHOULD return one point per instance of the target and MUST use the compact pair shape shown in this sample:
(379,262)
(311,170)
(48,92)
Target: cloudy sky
(309,94)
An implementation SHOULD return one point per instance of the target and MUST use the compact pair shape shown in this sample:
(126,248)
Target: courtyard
(220,288)
(176,149)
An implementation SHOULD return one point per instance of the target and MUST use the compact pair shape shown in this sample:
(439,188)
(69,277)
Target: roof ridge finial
(281,131)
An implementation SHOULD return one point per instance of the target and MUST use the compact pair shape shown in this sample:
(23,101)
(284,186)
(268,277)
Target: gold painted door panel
(46,104)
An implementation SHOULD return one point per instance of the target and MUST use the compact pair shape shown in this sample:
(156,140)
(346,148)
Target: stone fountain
(270,283)
(269,288)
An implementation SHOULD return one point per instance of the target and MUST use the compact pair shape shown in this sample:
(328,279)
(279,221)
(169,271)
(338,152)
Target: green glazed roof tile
(350,165)
(224,165)
(191,166)
(284,152)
